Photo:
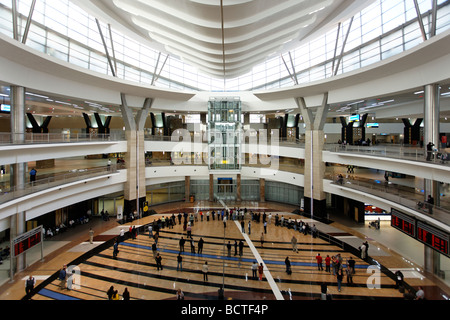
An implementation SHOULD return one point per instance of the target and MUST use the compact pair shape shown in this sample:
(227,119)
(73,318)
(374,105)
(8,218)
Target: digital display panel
(354,117)
(433,237)
(26,241)
(403,222)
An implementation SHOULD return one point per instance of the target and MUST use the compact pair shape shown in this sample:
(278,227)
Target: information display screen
(433,237)
(26,241)
(403,223)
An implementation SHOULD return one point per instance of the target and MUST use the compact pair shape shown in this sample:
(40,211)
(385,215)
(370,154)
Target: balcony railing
(38,138)
(439,156)
(409,197)
(58,179)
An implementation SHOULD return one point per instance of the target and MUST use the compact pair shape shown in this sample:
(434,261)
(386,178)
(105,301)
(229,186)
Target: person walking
(29,286)
(235,247)
(294,244)
(229,248)
(205,271)
(265,227)
(242,226)
(249,227)
(158,260)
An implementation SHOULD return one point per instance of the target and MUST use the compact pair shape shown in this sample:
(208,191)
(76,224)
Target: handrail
(54,181)
(39,138)
(397,194)
(438,156)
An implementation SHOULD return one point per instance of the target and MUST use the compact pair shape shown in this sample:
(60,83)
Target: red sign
(26,241)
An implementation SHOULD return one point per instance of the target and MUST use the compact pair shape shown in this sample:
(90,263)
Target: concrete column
(135,189)
(211,187)
(18,170)
(238,187)
(431,134)
(187,188)
(262,190)
(314,117)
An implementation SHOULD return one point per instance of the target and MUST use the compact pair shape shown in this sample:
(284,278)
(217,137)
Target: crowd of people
(333,265)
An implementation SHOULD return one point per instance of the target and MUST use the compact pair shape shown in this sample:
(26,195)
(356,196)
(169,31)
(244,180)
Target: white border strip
(267,274)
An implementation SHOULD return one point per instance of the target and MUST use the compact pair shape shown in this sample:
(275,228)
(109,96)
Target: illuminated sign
(403,222)
(433,237)
(26,241)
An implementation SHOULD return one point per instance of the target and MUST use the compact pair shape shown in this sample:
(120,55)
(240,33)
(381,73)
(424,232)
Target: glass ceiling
(63,30)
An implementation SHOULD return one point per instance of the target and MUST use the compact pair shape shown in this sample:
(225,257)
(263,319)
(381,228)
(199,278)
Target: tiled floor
(135,267)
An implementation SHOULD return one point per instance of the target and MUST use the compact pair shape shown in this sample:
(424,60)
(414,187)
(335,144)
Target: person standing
(91,236)
(249,227)
(420,294)
(33,173)
(29,286)
(154,249)
(116,248)
(200,246)
(265,226)
(254,270)
(182,241)
(327,264)
(110,292)
(319,262)
(260,271)
(235,247)
(179,262)
(229,248)
(430,146)
(126,294)
(243,226)
(351,264)
(62,277)
(241,248)
(205,271)
(363,251)
(180,295)
(192,246)
(287,262)
(339,277)
(430,202)
(349,274)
